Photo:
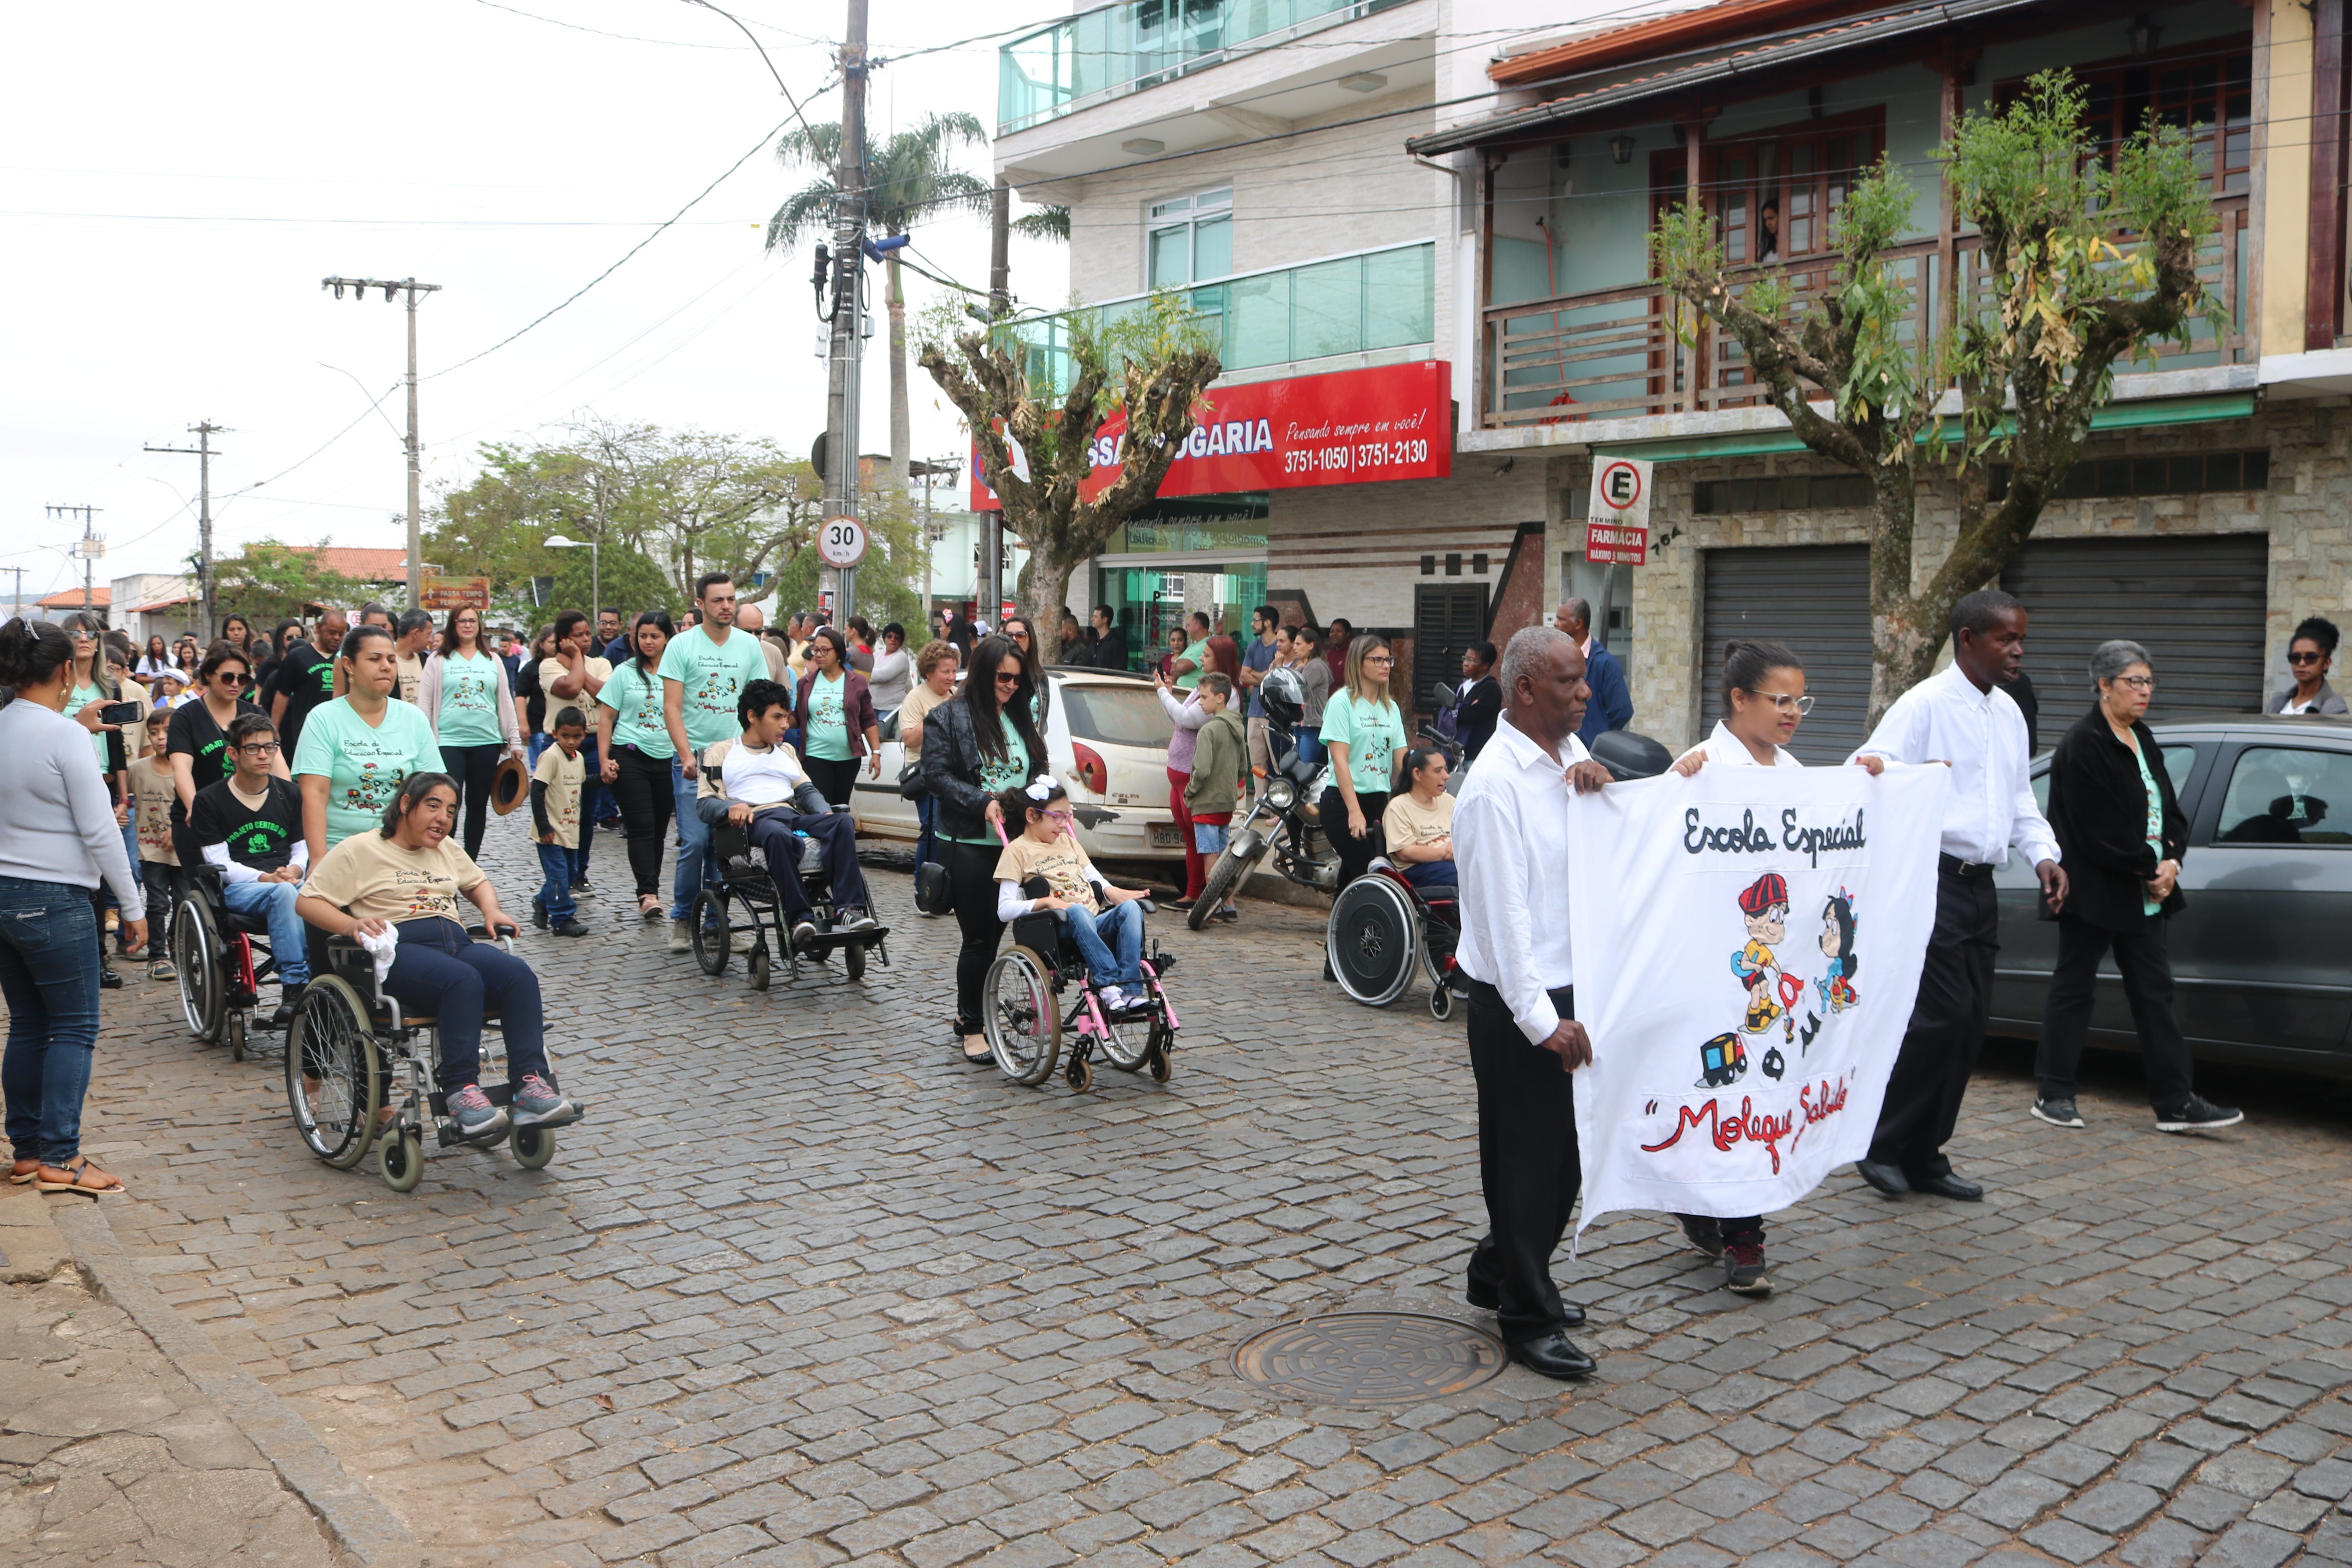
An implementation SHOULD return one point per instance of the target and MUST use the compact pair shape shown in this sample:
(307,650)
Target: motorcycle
(1279,823)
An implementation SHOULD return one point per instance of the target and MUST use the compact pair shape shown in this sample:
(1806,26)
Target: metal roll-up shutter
(2196,604)
(1816,599)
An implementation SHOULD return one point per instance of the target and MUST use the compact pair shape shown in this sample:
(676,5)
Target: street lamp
(596,571)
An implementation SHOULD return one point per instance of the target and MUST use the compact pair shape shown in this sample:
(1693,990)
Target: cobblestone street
(805,1289)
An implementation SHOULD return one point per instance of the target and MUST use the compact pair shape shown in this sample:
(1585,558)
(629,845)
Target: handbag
(933,894)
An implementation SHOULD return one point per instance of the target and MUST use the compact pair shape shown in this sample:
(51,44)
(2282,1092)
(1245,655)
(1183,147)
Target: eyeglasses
(1064,817)
(2137,682)
(260,749)
(1020,636)
(1379,658)
(2307,657)
(1782,702)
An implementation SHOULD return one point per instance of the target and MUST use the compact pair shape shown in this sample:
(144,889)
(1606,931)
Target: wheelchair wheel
(1441,1002)
(1021,1017)
(1078,1075)
(1157,1048)
(334,1073)
(533,1147)
(1128,1051)
(234,1029)
(852,959)
(711,938)
(1373,939)
(197,954)
(400,1157)
(759,964)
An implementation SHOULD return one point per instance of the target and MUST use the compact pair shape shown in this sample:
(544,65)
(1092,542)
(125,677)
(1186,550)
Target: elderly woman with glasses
(2309,653)
(2120,830)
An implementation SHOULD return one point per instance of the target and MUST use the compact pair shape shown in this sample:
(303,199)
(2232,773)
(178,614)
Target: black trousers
(1356,855)
(833,779)
(1946,1031)
(646,798)
(2146,970)
(971,882)
(473,768)
(1527,1163)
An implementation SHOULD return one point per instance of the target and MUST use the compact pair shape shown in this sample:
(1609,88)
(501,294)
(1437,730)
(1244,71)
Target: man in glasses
(250,825)
(1611,706)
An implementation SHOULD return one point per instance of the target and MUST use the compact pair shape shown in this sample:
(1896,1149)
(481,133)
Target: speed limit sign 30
(841,542)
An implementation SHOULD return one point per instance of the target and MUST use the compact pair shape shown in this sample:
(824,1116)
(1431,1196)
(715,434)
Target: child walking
(555,788)
(152,793)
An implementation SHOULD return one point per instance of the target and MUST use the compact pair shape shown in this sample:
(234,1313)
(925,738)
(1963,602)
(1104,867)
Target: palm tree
(908,179)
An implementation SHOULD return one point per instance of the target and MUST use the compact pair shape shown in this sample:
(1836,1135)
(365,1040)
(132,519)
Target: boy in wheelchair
(250,825)
(757,783)
(1045,870)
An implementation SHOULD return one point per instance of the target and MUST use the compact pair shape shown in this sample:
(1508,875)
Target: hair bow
(1042,788)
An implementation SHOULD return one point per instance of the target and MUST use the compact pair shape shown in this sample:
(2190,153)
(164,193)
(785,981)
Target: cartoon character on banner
(1836,987)
(1771,990)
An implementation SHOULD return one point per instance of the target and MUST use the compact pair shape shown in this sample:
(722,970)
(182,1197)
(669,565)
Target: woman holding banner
(1763,701)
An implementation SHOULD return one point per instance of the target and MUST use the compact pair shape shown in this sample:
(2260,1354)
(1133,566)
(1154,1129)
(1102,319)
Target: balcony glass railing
(1124,48)
(1347,304)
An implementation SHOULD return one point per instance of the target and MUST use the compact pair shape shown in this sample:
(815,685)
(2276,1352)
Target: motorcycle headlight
(1280,793)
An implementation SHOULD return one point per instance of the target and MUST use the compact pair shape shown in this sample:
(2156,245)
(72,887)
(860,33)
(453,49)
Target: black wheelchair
(1384,929)
(738,882)
(1023,1017)
(352,1054)
(223,958)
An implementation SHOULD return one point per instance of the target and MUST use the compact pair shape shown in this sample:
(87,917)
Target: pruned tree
(2086,257)
(1037,442)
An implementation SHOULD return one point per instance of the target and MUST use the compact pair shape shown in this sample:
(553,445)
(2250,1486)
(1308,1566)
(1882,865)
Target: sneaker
(804,932)
(681,936)
(160,970)
(2057,1113)
(476,1117)
(535,1100)
(1743,1269)
(571,928)
(2198,1116)
(1705,1231)
(581,889)
(539,913)
(857,918)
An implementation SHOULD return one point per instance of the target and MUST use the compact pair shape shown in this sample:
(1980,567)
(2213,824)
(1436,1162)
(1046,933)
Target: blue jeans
(693,843)
(288,937)
(1112,941)
(48,976)
(1210,837)
(560,867)
(1430,874)
(440,970)
(927,842)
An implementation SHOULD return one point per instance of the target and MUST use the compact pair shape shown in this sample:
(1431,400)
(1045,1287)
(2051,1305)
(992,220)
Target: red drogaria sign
(1349,428)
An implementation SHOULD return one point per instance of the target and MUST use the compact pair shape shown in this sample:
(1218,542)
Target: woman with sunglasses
(1024,641)
(197,744)
(977,745)
(2309,654)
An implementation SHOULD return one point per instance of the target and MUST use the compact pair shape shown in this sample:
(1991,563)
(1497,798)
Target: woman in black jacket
(2120,828)
(977,744)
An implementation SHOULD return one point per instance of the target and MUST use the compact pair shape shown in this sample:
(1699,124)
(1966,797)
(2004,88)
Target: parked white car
(1107,737)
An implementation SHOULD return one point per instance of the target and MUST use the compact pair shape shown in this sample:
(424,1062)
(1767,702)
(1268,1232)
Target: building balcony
(1634,351)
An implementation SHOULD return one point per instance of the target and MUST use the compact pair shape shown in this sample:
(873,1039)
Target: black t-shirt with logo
(264,838)
(307,677)
(193,733)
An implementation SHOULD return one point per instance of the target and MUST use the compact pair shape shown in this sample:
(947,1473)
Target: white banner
(1747,949)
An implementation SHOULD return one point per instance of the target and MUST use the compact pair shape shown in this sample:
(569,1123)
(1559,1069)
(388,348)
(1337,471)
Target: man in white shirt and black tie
(1959,717)
(1510,845)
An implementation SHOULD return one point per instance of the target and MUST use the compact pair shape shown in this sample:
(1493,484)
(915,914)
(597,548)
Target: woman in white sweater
(58,837)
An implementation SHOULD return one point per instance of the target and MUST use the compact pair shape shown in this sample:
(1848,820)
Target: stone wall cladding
(2305,511)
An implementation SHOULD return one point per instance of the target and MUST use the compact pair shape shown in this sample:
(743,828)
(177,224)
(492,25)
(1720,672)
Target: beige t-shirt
(918,707)
(1407,821)
(152,788)
(412,677)
(1063,863)
(548,668)
(563,776)
(376,880)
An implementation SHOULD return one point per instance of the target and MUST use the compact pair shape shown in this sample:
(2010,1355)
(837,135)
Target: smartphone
(118,713)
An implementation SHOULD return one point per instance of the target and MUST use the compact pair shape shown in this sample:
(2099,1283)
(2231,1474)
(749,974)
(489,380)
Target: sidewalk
(107,1453)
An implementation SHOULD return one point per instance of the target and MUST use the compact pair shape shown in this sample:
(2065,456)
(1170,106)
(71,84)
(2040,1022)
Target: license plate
(1165,835)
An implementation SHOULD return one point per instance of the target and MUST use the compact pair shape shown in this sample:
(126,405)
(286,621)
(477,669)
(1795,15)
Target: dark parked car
(2263,955)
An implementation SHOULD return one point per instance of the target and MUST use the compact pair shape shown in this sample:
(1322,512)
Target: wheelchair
(352,1051)
(1021,1007)
(222,958)
(1383,929)
(739,881)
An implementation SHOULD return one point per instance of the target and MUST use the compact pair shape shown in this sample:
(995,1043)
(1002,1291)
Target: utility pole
(416,470)
(17,605)
(207,611)
(849,243)
(89,547)
(1000,305)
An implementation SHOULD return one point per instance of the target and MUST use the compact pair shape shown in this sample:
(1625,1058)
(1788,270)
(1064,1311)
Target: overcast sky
(179,178)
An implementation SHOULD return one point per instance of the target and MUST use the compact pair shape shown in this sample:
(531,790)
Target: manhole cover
(1370,1358)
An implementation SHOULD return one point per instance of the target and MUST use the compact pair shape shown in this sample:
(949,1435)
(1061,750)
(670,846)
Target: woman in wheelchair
(1418,825)
(758,784)
(1046,869)
(406,879)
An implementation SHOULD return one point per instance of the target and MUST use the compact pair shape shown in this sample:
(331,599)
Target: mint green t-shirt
(469,700)
(1371,735)
(712,676)
(823,733)
(79,697)
(997,777)
(2149,905)
(1199,654)
(636,699)
(364,765)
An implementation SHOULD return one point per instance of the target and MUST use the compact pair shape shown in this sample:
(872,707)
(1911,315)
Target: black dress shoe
(1554,1355)
(1949,1186)
(107,979)
(1483,1297)
(1887,1179)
